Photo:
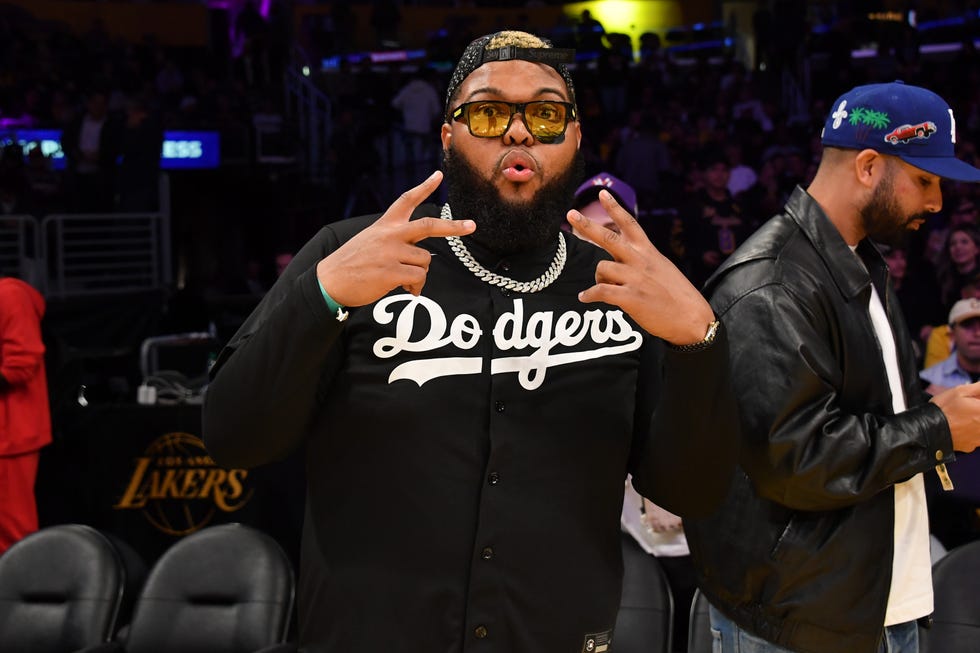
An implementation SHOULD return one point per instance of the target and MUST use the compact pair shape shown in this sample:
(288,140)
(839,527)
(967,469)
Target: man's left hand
(642,281)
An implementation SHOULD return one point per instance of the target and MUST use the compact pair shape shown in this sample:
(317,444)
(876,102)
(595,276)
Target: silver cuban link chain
(542,282)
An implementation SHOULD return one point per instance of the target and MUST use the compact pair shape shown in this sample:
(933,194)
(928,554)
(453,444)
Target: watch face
(709,337)
(712,331)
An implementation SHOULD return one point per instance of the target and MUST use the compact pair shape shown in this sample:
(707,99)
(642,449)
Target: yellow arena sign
(179,488)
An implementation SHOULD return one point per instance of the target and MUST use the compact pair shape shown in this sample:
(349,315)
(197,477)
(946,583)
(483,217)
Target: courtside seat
(61,589)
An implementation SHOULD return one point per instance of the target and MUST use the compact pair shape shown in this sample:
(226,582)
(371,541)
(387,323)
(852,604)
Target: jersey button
(487,553)
(493,478)
(480,632)
(499,406)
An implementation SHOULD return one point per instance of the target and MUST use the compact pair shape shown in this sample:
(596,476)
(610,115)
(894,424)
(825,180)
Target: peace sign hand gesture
(642,281)
(385,255)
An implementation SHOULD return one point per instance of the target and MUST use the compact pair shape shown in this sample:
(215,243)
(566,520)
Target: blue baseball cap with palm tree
(909,122)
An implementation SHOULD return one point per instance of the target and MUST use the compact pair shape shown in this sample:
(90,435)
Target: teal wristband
(332,304)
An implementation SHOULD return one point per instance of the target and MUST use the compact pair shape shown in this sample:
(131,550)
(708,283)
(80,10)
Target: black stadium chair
(646,610)
(699,633)
(956,615)
(224,589)
(61,589)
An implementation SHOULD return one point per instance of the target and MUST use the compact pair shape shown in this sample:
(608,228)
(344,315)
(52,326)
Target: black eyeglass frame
(461,114)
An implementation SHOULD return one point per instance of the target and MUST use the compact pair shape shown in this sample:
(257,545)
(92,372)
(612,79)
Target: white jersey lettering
(537,335)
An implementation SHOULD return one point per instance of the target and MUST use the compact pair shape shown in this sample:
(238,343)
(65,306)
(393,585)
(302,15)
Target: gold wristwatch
(703,344)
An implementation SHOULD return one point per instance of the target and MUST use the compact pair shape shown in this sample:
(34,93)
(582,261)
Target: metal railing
(79,254)
(20,249)
(88,254)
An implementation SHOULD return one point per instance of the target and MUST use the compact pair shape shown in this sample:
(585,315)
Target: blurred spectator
(917,293)
(964,211)
(91,147)
(421,114)
(613,73)
(959,262)
(44,183)
(590,33)
(713,221)
(741,176)
(954,517)
(749,107)
(642,157)
(139,164)
(963,364)
(26,424)
(353,162)
(766,196)
(586,200)
(939,343)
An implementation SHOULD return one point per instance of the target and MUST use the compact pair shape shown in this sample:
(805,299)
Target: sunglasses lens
(546,120)
(488,119)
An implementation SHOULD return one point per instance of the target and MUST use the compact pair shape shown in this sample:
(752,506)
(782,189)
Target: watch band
(709,338)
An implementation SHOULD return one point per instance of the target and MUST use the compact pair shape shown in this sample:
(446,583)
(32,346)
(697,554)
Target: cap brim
(966,316)
(945,167)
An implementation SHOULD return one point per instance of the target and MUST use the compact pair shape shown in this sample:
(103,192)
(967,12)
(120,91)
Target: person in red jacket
(25,418)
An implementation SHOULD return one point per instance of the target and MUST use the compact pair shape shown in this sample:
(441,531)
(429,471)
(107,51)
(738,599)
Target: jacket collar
(849,274)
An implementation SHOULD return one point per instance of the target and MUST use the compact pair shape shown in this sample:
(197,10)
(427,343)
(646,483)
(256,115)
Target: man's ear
(446,135)
(869,166)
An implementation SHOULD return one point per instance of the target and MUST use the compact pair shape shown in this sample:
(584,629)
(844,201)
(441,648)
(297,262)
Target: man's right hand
(961,405)
(385,256)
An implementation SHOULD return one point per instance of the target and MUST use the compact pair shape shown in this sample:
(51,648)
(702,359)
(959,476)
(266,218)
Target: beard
(882,217)
(502,226)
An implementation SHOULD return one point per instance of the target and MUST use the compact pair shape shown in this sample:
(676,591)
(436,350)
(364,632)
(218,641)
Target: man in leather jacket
(822,544)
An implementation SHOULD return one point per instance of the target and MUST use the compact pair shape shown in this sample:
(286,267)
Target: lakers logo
(179,488)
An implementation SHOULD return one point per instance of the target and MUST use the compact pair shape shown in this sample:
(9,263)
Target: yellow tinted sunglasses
(545,119)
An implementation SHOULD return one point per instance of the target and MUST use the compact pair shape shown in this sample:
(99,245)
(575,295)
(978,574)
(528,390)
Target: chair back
(956,613)
(699,633)
(60,590)
(646,610)
(224,589)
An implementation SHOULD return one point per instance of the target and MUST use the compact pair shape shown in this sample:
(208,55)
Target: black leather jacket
(800,553)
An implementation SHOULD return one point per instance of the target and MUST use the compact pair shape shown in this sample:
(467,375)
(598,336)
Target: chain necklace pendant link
(542,282)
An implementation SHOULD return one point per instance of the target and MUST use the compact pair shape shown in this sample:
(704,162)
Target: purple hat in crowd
(623,192)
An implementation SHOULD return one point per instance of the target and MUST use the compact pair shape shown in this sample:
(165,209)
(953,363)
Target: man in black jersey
(471,387)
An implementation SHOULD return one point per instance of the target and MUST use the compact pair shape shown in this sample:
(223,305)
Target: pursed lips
(517,166)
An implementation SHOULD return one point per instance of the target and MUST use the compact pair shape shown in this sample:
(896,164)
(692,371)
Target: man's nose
(517,132)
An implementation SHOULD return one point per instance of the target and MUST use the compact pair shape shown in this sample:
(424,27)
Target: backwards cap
(506,46)
(909,122)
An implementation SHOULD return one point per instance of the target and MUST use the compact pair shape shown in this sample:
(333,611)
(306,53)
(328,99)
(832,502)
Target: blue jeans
(728,637)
